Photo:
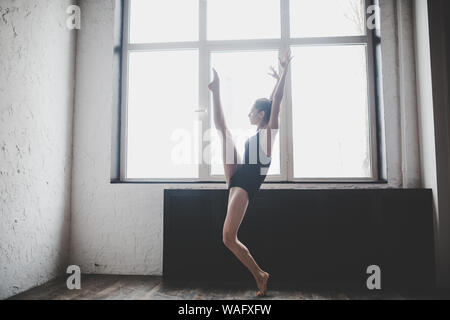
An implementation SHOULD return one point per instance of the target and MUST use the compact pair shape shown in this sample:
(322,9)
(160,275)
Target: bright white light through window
(243,19)
(162,128)
(243,80)
(324,118)
(326,18)
(163,20)
(330,112)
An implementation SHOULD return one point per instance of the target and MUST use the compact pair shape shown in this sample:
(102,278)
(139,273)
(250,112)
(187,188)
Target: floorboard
(122,287)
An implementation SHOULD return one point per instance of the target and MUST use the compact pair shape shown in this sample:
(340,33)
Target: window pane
(162,124)
(237,19)
(163,20)
(330,112)
(243,80)
(326,18)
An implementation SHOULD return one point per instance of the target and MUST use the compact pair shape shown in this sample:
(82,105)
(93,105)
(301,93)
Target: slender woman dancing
(245,179)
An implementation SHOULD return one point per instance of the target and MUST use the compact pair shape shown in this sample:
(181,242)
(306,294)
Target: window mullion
(204,168)
(285,129)
(289,139)
(124,88)
(285,23)
(329,40)
(371,93)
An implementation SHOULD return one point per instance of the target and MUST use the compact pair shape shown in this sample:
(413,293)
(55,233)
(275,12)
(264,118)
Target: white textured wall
(36,111)
(118,228)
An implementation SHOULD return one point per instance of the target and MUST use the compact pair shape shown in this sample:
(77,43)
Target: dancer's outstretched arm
(278,96)
(276,76)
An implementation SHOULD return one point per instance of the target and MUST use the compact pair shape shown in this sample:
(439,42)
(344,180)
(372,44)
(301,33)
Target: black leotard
(251,173)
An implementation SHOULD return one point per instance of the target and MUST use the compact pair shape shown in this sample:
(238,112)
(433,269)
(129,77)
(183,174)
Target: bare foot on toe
(262,284)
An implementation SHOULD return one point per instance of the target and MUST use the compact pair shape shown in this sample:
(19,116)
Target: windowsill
(265,183)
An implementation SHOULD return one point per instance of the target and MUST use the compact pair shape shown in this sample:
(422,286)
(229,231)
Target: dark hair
(265,105)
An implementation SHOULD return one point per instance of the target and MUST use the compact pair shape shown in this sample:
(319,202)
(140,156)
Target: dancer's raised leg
(230,156)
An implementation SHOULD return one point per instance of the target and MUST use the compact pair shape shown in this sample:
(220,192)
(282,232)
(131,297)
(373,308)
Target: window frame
(205,47)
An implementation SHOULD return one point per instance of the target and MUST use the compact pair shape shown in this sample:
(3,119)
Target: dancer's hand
(214,85)
(274,73)
(286,61)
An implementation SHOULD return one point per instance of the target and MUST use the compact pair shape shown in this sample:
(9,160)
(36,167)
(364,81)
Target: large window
(327,125)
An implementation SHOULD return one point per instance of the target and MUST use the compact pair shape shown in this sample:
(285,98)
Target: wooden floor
(102,287)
